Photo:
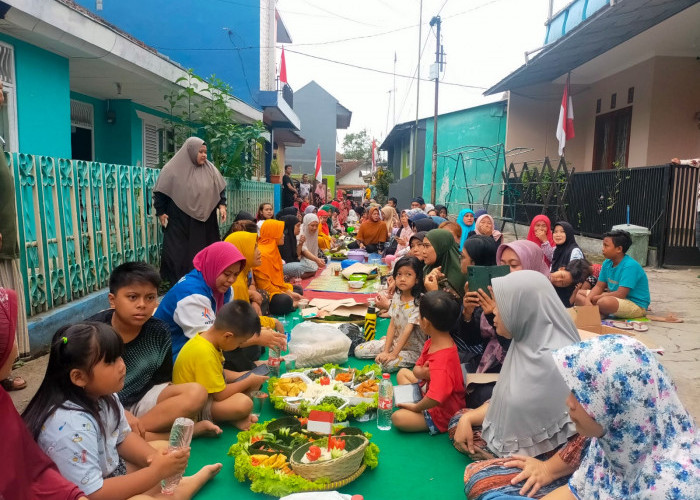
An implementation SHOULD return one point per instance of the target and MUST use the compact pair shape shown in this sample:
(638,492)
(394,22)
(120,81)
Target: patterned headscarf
(651,447)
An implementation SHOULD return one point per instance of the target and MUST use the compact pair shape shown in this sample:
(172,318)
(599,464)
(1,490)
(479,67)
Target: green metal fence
(78,220)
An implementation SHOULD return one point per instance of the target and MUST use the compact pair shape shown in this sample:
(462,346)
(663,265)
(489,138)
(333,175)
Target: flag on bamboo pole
(318,171)
(565,126)
(283,68)
(374,155)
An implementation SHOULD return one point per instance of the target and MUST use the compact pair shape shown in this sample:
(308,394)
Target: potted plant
(275,172)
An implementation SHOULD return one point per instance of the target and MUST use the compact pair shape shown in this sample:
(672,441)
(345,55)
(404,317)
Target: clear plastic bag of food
(316,344)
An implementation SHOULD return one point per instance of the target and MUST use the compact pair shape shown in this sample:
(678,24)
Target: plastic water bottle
(180,437)
(385,403)
(274,359)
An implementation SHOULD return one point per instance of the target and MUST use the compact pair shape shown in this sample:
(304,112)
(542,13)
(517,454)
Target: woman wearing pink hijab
(519,255)
(190,306)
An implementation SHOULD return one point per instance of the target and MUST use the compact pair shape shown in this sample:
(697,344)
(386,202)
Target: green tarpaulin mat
(328,282)
(411,466)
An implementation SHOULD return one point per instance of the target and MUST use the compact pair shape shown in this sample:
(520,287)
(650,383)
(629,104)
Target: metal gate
(680,246)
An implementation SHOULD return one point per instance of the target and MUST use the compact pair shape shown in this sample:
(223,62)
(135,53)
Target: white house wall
(666,97)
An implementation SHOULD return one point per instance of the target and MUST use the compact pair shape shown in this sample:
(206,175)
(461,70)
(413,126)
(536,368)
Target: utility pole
(415,132)
(433,22)
(394,90)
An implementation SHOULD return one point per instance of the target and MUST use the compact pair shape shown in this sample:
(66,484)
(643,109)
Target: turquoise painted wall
(112,140)
(43,100)
(122,141)
(480,126)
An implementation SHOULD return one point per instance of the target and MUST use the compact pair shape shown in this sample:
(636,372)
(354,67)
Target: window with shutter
(150,145)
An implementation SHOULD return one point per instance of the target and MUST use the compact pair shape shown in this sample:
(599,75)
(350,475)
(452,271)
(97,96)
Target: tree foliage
(383,178)
(357,146)
(231,146)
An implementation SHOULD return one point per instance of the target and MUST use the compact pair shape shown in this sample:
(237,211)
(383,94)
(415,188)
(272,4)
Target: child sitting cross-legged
(622,289)
(78,421)
(151,402)
(437,370)
(201,360)
(404,339)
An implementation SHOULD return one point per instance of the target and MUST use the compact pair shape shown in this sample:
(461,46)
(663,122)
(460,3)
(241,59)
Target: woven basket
(335,470)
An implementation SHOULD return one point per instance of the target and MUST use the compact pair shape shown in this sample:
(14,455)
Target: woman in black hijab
(565,251)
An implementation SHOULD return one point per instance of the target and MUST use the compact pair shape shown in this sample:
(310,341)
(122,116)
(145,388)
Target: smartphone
(263,370)
(479,277)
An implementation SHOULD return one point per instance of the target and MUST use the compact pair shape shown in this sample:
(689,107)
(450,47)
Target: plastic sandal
(14,384)
(639,326)
(622,325)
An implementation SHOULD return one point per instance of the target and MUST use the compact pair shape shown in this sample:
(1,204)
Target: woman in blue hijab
(466,226)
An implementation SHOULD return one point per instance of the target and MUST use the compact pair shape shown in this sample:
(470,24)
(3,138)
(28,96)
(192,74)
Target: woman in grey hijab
(186,197)
(526,419)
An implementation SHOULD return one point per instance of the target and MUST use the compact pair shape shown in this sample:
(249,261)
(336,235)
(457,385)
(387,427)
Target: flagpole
(394,88)
(415,132)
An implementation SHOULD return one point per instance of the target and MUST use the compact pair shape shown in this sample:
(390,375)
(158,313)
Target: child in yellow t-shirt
(201,360)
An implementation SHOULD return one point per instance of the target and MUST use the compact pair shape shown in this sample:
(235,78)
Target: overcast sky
(484,40)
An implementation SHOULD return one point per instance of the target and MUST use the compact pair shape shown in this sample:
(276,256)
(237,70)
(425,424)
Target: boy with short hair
(627,294)
(437,370)
(304,188)
(201,360)
(151,402)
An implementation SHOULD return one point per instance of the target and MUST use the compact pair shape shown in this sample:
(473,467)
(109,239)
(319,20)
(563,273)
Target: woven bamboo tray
(334,485)
(335,470)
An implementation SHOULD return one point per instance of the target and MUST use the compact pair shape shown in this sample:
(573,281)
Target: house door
(81,143)
(81,137)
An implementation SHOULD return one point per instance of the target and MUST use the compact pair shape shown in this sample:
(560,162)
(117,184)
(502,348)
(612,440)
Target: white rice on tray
(316,390)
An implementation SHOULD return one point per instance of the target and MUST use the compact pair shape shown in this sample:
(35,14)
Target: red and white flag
(319,171)
(565,126)
(283,68)
(374,155)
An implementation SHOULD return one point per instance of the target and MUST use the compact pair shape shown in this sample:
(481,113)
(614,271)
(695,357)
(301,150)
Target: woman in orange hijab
(372,231)
(269,276)
(272,333)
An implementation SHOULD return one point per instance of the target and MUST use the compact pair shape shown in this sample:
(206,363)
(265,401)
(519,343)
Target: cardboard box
(343,308)
(587,320)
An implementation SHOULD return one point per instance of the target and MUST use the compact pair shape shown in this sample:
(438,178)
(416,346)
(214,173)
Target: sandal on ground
(622,325)
(14,384)
(639,326)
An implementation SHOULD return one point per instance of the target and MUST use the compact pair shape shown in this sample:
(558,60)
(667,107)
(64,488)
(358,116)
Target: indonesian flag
(319,173)
(565,126)
(283,68)
(374,155)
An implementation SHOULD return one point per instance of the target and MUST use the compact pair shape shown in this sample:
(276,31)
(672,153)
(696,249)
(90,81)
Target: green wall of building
(43,100)
(479,126)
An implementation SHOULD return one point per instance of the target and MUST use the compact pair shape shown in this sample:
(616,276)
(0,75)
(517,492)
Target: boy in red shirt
(437,370)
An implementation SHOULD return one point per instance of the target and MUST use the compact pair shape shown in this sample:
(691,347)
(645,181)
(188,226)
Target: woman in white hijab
(523,435)
(309,250)
(186,197)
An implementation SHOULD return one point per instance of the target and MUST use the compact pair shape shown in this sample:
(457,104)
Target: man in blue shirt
(622,289)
